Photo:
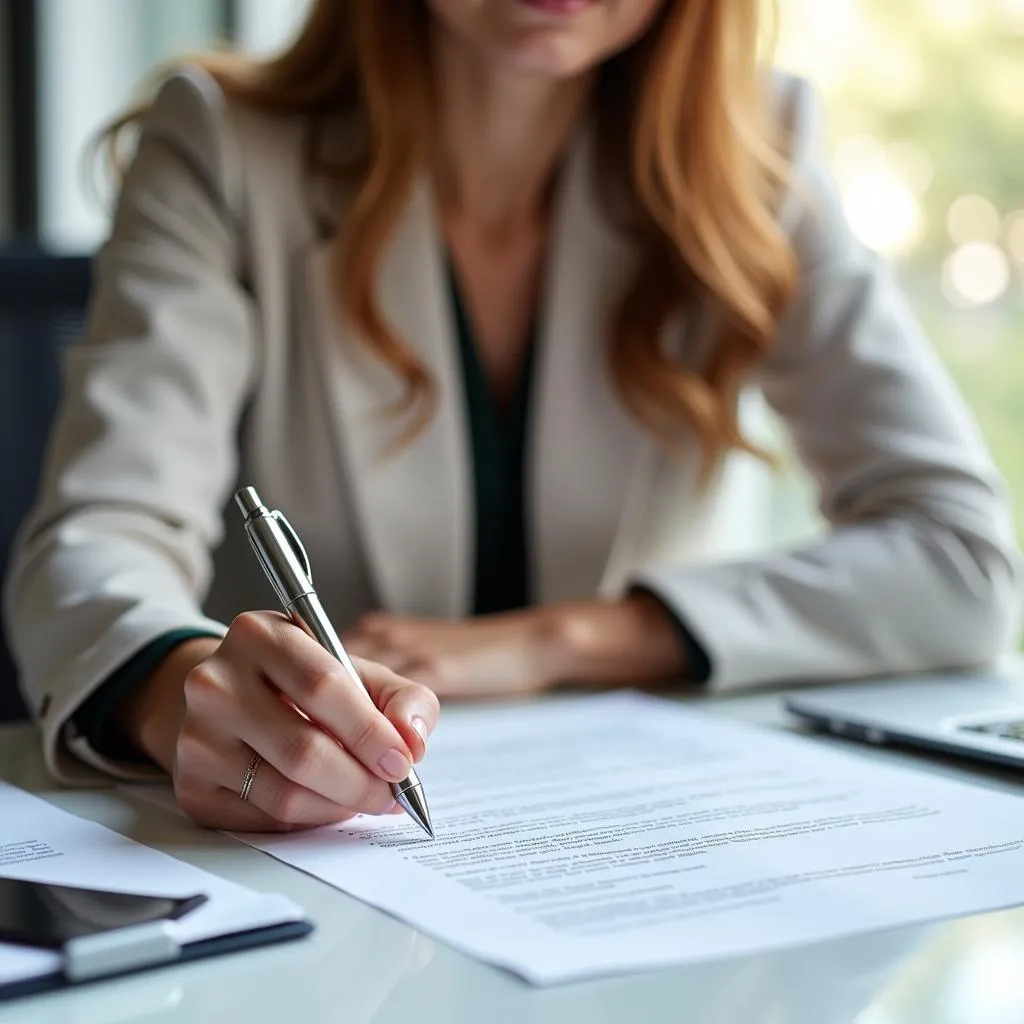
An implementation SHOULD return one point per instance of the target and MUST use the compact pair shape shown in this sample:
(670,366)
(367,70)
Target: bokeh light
(975,275)
(1015,235)
(883,212)
(973,218)
(880,187)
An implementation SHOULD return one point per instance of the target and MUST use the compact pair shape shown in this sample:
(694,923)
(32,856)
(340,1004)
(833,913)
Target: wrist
(150,716)
(561,637)
(629,642)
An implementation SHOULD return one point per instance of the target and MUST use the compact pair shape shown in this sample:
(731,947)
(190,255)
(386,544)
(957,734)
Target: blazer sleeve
(919,570)
(116,552)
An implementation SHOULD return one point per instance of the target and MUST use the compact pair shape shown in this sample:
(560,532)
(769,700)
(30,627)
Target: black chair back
(43,300)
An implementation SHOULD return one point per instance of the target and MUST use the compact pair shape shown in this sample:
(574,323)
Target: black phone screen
(41,914)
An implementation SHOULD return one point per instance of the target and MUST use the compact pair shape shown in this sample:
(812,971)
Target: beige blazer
(213,357)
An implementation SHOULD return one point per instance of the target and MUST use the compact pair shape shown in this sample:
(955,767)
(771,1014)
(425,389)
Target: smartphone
(46,915)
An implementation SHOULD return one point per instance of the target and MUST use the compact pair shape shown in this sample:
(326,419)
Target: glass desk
(361,966)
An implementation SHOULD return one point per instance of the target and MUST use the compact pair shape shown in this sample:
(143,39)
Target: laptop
(971,714)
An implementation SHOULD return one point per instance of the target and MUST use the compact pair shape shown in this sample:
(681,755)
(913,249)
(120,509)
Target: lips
(563,7)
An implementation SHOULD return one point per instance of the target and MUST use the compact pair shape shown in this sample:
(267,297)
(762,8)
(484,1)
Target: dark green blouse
(501,581)
(498,436)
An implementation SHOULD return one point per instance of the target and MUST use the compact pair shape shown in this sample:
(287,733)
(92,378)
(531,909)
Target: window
(92,55)
(925,105)
(263,25)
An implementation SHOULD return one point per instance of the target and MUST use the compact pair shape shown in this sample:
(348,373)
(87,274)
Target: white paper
(43,843)
(618,833)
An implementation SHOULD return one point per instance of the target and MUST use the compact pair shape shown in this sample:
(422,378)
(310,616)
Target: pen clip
(293,539)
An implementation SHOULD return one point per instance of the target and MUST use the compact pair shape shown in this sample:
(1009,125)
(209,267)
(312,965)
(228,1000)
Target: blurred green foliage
(947,78)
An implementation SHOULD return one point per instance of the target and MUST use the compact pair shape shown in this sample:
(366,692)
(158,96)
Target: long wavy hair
(698,185)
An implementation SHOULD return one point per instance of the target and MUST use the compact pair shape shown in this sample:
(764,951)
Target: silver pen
(286,564)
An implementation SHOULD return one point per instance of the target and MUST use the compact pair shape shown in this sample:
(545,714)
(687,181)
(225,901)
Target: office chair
(43,300)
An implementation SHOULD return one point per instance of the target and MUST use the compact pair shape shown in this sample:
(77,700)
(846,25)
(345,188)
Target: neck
(500,137)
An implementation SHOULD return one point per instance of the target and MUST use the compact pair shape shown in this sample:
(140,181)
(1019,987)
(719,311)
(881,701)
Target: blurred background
(925,106)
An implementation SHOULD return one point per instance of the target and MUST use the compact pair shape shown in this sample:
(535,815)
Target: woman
(551,240)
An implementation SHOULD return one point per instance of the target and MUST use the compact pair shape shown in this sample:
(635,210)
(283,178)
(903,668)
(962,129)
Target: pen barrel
(248,500)
(411,781)
(286,570)
(308,612)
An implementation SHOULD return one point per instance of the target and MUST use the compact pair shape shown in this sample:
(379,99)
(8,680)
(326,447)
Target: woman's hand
(493,656)
(213,704)
(594,643)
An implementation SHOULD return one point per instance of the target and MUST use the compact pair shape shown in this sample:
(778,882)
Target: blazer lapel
(586,455)
(588,464)
(413,506)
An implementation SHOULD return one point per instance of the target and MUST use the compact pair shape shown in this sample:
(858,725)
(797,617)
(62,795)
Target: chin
(554,59)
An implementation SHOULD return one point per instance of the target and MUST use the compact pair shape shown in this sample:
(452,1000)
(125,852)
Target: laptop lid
(973,714)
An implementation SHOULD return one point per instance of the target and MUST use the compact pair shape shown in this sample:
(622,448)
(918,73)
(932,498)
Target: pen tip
(415,805)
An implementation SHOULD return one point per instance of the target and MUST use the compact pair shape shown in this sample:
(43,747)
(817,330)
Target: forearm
(888,597)
(630,642)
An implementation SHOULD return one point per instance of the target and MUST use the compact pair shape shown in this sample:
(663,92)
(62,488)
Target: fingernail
(421,728)
(395,764)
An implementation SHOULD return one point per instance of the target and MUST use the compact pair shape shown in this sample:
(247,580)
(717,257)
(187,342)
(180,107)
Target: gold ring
(250,775)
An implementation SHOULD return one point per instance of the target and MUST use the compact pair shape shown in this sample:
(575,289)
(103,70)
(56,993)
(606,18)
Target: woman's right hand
(212,704)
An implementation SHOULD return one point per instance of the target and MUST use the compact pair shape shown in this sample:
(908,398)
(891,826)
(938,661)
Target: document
(621,833)
(43,843)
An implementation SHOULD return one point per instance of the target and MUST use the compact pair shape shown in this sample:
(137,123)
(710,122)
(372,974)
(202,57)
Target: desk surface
(362,966)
